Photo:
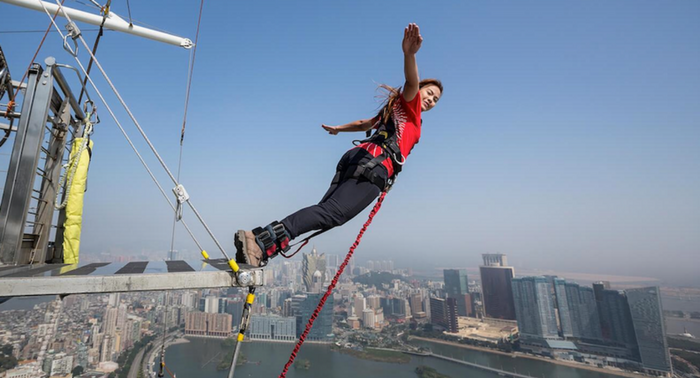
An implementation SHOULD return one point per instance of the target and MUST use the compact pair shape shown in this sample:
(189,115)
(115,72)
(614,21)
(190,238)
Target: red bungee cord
(313,317)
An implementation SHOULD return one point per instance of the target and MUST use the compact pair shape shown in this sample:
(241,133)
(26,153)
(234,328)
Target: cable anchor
(74,33)
(182,197)
(90,110)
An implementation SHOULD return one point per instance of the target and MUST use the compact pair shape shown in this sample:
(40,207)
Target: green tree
(7,349)
(78,370)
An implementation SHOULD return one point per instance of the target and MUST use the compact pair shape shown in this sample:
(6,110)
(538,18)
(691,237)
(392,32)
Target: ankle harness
(272,239)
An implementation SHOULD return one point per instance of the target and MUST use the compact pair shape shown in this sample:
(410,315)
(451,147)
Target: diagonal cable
(133,147)
(145,137)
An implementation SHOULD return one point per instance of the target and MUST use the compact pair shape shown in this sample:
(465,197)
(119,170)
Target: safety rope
(105,14)
(190,71)
(67,180)
(178,209)
(328,292)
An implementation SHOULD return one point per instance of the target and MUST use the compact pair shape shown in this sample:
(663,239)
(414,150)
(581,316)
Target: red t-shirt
(407,118)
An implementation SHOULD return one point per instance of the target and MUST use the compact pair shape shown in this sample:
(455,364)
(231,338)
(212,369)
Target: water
(25,303)
(675,326)
(678,304)
(199,358)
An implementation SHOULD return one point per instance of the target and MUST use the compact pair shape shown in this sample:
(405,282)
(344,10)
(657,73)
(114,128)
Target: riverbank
(574,365)
(180,340)
(378,355)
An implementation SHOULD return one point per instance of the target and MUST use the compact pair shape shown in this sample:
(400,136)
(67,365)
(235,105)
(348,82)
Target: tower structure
(314,271)
(457,287)
(534,307)
(496,285)
(648,319)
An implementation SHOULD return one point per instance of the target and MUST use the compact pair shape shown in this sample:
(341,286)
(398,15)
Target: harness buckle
(265,241)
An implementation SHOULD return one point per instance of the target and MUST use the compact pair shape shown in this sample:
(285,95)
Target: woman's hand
(411,39)
(331,129)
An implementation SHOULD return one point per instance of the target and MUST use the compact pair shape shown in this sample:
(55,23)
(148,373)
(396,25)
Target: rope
(328,292)
(189,76)
(178,211)
(105,13)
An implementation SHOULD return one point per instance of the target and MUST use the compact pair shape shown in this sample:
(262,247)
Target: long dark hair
(392,94)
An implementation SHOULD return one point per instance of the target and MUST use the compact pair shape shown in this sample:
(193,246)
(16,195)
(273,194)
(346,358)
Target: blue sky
(568,136)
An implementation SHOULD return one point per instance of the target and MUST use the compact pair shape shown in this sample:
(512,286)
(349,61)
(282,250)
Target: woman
(364,171)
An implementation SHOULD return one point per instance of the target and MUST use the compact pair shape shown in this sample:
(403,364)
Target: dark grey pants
(346,197)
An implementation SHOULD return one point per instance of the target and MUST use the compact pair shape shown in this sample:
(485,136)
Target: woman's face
(429,95)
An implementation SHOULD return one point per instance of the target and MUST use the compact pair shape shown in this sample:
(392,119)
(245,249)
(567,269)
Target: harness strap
(366,171)
(265,241)
(272,239)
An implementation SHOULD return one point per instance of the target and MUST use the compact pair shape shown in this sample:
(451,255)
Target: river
(200,357)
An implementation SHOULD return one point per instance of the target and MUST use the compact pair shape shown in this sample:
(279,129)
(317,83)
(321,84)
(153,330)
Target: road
(136,364)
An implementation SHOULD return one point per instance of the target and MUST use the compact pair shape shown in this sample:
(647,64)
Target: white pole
(113,22)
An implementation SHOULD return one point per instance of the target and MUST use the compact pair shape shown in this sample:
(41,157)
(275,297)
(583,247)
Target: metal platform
(64,279)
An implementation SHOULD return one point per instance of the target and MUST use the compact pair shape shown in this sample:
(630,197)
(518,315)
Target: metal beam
(113,21)
(61,279)
(23,164)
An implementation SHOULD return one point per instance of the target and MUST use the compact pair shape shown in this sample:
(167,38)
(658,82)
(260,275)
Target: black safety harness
(387,138)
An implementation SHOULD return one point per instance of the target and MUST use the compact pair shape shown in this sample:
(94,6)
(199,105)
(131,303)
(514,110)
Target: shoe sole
(241,247)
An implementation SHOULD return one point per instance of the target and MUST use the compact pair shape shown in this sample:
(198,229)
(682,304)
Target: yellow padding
(250,298)
(205,254)
(74,207)
(233,266)
(240,337)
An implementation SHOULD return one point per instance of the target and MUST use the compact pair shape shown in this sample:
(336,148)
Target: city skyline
(554,315)
(569,147)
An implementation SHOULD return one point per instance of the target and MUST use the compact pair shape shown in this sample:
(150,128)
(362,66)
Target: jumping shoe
(247,249)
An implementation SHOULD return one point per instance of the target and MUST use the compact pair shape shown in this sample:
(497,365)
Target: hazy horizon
(568,136)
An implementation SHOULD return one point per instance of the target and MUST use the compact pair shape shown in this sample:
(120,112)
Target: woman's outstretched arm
(411,43)
(359,125)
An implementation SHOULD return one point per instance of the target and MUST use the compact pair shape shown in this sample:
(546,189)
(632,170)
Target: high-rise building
(416,302)
(564,312)
(494,259)
(211,304)
(585,322)
(648,319)
(121,316)
(534,308)
(368,318)
(616,319)
(314,271)
(114,299)
(372,302)
(457,286)
(359,304)
(443,312)
(109,325)
(272,327)
(106,350)
(208,324)
(598,288)
(496,279)
(323,326)
(234,307)
(61,365)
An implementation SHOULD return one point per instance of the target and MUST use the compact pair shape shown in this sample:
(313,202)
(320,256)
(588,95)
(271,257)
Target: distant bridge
(500,372)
